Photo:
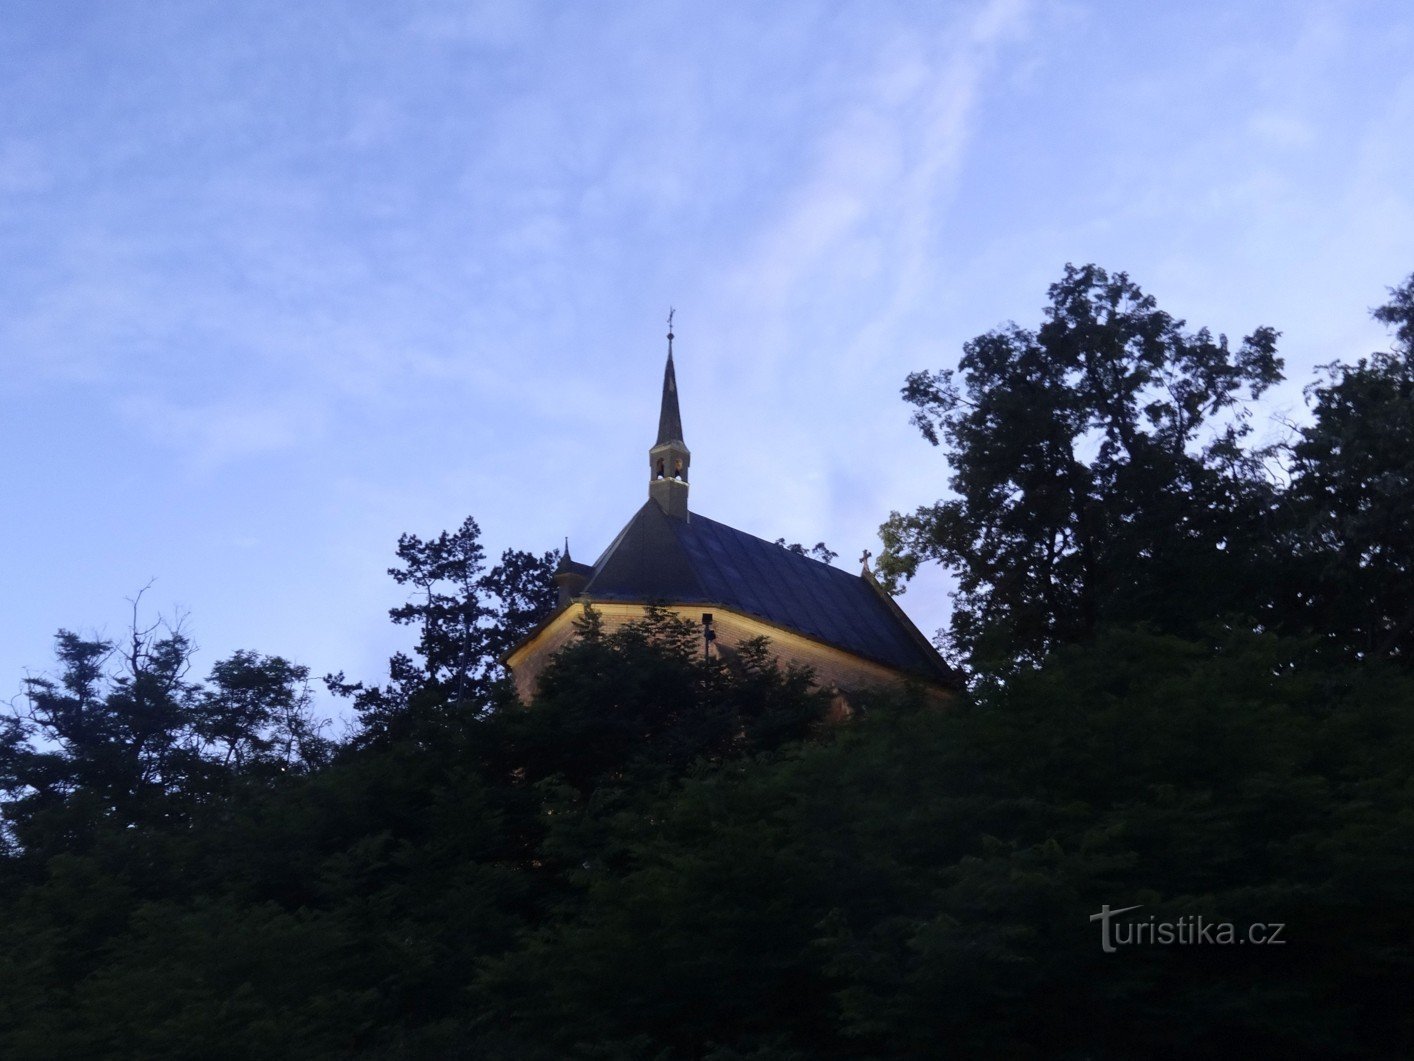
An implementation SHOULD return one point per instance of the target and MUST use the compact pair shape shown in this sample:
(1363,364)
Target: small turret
(570,577)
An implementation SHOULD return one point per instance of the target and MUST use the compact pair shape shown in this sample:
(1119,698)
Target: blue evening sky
(283,280)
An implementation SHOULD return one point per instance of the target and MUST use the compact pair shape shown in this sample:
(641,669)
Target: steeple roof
(669,418)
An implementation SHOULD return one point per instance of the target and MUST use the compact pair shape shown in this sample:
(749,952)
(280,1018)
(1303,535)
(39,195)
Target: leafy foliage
(394,872)
(466,618)
(1352,498)
(1097,473)
(819,551)
(669,855)
(120,737)
(924,881)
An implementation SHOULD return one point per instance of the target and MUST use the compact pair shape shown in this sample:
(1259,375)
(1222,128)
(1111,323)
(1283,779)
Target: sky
(281,281)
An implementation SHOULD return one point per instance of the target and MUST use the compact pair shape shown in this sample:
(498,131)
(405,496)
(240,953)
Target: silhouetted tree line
(1193,696)
(1100,474)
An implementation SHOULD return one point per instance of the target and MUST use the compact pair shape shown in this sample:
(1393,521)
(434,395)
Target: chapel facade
(735,586)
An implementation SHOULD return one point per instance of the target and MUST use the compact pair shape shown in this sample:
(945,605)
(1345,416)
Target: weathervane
(671,311)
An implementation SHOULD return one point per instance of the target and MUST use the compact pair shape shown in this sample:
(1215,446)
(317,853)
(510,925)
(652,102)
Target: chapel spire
(669,458)
(669,418)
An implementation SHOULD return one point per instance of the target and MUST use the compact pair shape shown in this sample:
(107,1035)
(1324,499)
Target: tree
(466,618)
(257,711)
(644,701)
(444,576)
(523,588)
(1098,473)
(921,882)
(819,551)
(122,737)
(1398,313)
(1352,497)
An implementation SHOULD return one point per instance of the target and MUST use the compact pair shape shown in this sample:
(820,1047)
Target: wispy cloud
(865,214)
(210,433)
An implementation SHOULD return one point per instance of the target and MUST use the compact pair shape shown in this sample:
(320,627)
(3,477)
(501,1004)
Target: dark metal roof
(657,557)
(569,565)
(669,418)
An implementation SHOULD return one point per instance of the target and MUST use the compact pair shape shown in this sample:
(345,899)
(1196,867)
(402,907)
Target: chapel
(736,586)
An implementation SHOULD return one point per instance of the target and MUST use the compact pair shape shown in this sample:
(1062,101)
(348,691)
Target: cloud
(865,215)
(213,433)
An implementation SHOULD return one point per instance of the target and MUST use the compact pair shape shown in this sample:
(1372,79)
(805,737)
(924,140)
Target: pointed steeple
(669,418)
(669,458)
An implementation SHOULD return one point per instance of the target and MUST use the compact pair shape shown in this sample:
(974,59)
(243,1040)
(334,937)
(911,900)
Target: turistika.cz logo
(1188,930)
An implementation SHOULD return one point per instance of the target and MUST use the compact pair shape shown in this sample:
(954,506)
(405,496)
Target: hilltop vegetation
(1192,694)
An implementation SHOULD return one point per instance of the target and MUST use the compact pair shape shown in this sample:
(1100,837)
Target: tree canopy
(466,618)
(1352,497)
(1202,709)
(661,858)
(1100,473)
